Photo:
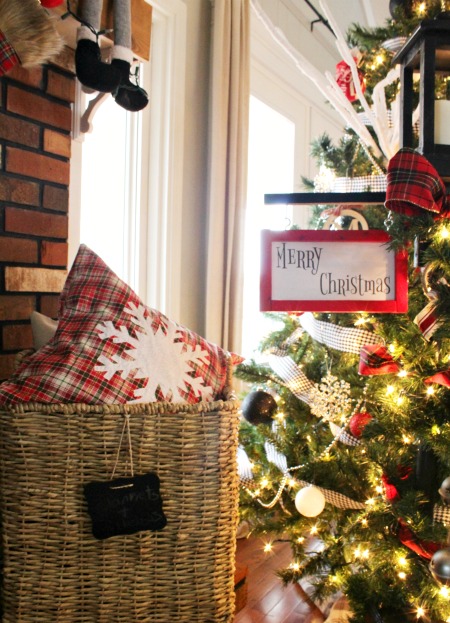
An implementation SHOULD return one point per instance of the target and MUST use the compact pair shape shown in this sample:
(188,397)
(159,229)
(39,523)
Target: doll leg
(128,95)
(90,69)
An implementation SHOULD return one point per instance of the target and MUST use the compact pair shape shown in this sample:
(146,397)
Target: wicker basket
(55,571)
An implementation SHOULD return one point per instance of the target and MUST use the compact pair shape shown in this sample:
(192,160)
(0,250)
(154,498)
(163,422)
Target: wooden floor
(268,601)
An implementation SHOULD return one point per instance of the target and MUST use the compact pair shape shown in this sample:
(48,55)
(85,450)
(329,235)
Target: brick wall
(35,125)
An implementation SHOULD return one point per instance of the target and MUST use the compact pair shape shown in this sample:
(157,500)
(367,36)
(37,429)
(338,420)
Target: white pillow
(43,328)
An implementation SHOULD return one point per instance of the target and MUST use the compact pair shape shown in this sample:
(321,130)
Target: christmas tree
(346,433)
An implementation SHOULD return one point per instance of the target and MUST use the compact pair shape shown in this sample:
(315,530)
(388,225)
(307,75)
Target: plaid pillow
(110,348)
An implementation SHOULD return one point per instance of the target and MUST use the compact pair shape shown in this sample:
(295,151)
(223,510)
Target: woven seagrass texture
(55,571)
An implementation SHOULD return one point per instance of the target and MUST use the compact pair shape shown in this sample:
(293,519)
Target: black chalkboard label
(125,505)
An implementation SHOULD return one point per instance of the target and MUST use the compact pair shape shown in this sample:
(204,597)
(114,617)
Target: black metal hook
(320,18)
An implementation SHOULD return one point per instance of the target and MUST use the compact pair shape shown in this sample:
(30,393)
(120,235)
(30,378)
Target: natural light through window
(108,190)
(270,170)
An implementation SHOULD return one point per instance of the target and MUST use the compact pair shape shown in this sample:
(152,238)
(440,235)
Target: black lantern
(427,53)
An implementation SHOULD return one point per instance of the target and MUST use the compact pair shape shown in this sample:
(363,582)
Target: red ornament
(344,79)
(358,422)
(390,490)
(50,4)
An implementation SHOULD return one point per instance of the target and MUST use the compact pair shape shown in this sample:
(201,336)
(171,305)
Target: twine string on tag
(126,426)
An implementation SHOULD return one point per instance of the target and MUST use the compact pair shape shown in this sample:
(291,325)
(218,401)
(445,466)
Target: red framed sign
(332,271)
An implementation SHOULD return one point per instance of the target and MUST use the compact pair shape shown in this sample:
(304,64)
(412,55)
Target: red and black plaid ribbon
(413,185)
(8,56)
(376,359)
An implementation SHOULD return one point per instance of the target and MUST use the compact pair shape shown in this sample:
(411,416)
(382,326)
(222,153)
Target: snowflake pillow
(110,348)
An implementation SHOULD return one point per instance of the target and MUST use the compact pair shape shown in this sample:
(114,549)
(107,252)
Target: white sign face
(310,271)
(345,271)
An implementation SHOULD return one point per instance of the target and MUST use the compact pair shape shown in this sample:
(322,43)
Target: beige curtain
(230,91)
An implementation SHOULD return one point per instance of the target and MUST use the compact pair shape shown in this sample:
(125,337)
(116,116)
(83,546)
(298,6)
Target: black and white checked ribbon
(293,377)
(245,469)
(275,457)
(441,513)
(246,477)
(376,183)
(346,339)
(337,499)
(280,351)
(344,436)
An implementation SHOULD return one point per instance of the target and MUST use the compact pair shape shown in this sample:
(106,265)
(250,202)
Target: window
(270,170)
(110,183)
(286,114)
(126,176)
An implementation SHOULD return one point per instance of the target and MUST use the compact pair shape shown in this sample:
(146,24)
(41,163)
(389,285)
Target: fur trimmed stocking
(111,77)
(91,70)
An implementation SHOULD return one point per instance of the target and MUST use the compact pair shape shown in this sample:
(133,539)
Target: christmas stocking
(90,69)
(128,95)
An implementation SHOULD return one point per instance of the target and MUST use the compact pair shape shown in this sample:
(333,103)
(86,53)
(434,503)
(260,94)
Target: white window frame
(154,229)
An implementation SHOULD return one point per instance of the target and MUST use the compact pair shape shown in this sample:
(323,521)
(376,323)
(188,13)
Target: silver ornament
(444,491)
(440,566)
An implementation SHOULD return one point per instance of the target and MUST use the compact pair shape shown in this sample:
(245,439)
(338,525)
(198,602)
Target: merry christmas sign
(342,271)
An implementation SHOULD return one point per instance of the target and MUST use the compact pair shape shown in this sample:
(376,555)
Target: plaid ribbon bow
(376,359)
(413,185)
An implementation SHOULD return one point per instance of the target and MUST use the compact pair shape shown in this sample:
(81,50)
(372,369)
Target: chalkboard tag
(125,505)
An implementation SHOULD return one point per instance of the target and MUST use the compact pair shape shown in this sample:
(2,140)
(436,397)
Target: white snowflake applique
(156,356)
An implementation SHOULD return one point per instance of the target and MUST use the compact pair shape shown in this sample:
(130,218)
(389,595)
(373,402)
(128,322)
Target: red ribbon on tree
(376,359)
(427,320)
(441,378)
(425,549)
(414,185)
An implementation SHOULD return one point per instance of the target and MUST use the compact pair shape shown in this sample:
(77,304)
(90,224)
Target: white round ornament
(310,501)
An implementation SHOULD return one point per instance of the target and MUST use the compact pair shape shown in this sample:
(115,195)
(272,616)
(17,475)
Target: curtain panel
(228,149)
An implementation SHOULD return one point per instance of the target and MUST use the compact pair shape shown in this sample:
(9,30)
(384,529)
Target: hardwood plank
(268,600)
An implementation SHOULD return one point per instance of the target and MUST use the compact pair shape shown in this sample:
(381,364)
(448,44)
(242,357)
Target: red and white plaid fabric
(8,56)
(427,320)
(67,369)
(414,185)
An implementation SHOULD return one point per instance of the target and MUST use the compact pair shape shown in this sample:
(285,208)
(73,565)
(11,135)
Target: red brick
(19,131)
(18,191)
(16,307)
(36,223)
(32,77)
(49,305)
(18,250)
(54,253)
(7,366)
(61,86)
(17,337)
(38,166)
(21,279)
(56,198)
(39,108)
(57,143)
